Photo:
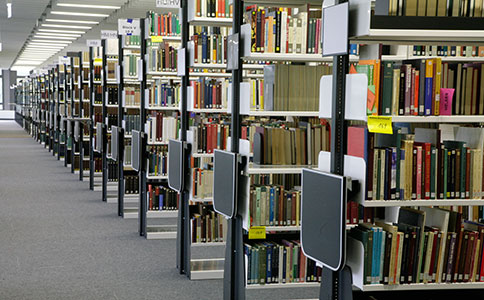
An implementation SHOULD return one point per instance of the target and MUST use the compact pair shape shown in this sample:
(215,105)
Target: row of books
(98,164)
(157,160)
(161,128)
(270,143)
(162,57)
(132,40)
(206,225)
(127,152)
(98,94)
(113,171)
(429,245)
(167,24)
(131,122)
(131,184)
(210,93)
(272,205)
(212,8)
(208,136)
(97,72)
(161,198)
(279,262)
(430,8)
(287,88)
(423,87)
(201,170)
(420,166)
(112,120)
(163,95)
(112,95)
(131,65)
(453,51)
(111,67)
(98,117)
(132,96)
(210,46)
(283,29)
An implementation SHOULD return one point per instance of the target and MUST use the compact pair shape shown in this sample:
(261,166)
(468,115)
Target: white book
(283,32)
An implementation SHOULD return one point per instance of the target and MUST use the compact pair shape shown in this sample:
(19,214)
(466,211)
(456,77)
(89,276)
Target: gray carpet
(58,240)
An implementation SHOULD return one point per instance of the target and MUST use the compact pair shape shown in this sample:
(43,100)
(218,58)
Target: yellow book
(437,83)
(261,93)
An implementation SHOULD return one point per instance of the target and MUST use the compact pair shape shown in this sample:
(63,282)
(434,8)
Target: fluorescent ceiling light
(27,63)
(61,31)
(66,26)
(71,21)
(88,6)
(37,36)
(44,47)
(9,10)
(69,13)
(57,34)
(47,42)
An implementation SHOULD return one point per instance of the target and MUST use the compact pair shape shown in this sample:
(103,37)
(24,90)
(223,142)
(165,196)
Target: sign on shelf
(93,43)
(129,27)
(168,3)
(109,34)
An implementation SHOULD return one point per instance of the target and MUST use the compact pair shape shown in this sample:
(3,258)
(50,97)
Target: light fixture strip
(66,26)
(71,21)
(88,6)
(69,13)
(61,31)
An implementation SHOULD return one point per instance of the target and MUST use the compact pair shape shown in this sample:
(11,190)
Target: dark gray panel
(225,185)
(175,165)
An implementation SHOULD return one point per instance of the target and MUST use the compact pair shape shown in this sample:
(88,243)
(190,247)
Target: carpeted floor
(58,240)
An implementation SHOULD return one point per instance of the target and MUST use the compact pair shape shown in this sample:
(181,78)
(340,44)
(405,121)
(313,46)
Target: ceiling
(14,31)
(34,17)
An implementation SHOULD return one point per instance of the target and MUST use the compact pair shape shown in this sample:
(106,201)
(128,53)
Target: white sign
(168,3)
(109,34)
(64,60)
(93,43)
(129,27)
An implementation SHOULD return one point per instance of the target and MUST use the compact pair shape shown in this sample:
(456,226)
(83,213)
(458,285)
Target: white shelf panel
(162,214)
(163,73)
(132,47)
(112,105)
(210,244)
(283,285)
(132,107)
(452,58)
(224,66)
(411,36)
(212,268)
(156,143)
(300,57)
(210,74)
(156,177)
(210,110)
(423,286)
(204,21)
(275,169)
(171,38)
(130,213)
(168,108)
(438,119)
(434,202)
(160,232)
(263,113)
(202,154)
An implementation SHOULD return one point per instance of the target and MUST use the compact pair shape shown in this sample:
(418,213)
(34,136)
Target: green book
(257,206)
(458,145)
(262,263)
(379,179)
(363,235)
(387,88)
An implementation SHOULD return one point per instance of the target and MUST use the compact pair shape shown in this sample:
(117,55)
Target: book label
(257,233)
(156,39)
(380,124)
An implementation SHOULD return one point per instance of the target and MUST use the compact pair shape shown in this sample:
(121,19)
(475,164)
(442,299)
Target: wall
(8,78)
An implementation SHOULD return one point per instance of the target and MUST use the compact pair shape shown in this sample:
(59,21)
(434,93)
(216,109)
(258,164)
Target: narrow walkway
(58,240)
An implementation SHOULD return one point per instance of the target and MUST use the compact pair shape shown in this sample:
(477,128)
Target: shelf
(153,177)
(224,66)
(434,202)
(202,154)
(159,214)
(132,47)
(438,119)
(161,232)
(132,107)
(275,169)
(204,21)
(262,113)
(284,285)
(170,38)
(207,268)
(423,286)
(209,244)
(130,213)
(162,73)
(452,58)
(112,105)
(201,200)
(295,57)
(210,74)
(151,143)
(167,108)
(210,110)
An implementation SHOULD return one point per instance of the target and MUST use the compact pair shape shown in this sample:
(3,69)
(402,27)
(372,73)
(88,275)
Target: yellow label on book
(156,39)
(257,233)
(380,124)
(98,60)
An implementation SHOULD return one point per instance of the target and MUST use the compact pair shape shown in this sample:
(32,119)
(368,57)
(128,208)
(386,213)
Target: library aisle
(59,241)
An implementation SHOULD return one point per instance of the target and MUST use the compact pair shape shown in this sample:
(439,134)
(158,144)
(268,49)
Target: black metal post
(105,125)
(91,124)
(120,125)
(234,269)
(71,87)
(142,211)
(81,115)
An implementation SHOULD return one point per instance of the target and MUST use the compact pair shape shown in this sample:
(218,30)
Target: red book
(150,197)
(214,136)
(354,212)
(471,251)
(418,175)
(433,257)
(159,24)
(426,156)
(468,174)
(417,81)
(460,236)
(209,139)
